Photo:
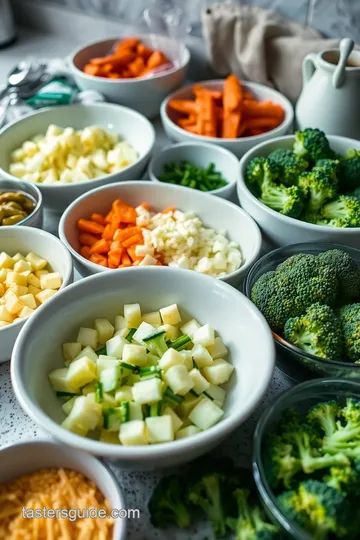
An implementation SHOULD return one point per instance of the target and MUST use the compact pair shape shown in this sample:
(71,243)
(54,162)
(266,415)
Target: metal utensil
(345,47)
(25,73)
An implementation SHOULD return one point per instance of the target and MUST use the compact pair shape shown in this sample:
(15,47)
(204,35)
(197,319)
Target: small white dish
(25,239)
(200,154)
(35,219)
(130,125)
(28,456)
(240,145)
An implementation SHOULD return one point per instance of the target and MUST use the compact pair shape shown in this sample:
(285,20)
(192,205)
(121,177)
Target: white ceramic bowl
(130,125)
(200,154)
(283,230)
(35,219)
(23,240)
(240,145)
(214,212)
(144,95)
(239,323)
(29,456)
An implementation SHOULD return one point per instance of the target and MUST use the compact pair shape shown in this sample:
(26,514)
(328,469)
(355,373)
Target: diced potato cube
(28,300)
(89,352)
(25,312)
(171,332)
(3,274)
(16,279)
(142,251)
(87,336)
(187,431)
(190,328)
(148,391)
(70,351)
(13,304)
(170,314)
(144,330)
(18,257)
(6,261)
(190,401)
(132,314)
(171,358)
(2,289)
(152,318)
(81,372)
(217,393)
(159,429)
(104,329)
(39,273)
(188,359)
(205,414)
(179,380)
(115,346)
(134,354)
(51,281)
(205,335)
(122,333)
(124,393)
(59,382)
(120,323)
(201,356)
(19,290)
(219,373)
(26,273)
(176,420)
(22,266)
(44,295)
(33,290)
(148,260)
(218,349)
(200,383)
(133,433)
(85,413)
(34,281)
(36,262)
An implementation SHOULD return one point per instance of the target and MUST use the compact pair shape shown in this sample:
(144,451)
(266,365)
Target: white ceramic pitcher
(330,97)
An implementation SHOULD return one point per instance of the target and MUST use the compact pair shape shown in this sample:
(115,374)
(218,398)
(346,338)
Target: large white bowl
(240,324)
(144,95)
(283,230)
(240,145)
(30,456)
(25,239)
(200,154)
(214,212)
(130,125)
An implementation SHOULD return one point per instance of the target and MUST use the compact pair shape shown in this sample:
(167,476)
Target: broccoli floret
(312,145)
(342,212)
(316,218)
(346,438)
(350,322)
(281,463)
(156,343)
(261,170)
(318,508)
(317,332)
(331,167)
(355,194)
(167,503)
(291,166)
(324,415)
(251,523)
(286,200)
(317,188)
(345,479)
(349,176)
(347,272)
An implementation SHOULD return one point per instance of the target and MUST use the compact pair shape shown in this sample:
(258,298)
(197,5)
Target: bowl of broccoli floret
(309,294)
(303,187)
(306,460)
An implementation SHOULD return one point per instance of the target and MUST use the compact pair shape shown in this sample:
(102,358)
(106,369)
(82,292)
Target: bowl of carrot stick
(138,72)
(228,112)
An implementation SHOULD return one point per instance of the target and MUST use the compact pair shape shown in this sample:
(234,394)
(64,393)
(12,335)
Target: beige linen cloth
(260,45)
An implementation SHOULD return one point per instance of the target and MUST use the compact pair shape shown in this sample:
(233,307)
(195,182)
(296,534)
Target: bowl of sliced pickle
(20,204)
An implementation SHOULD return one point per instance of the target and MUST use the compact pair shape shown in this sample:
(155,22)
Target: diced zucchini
(151,359)
(187,431)
(88,388)
(114,417)
(148,391)
(148,372)
(176,420)
(159,429)
(110,378)
(201,356)
(156,343)
(152,318)
(108,401)
(145,410)
(59,381)
(218,349)
(129,369)
(104,329)
(132,314)
(190,328)
(70,425)
(205,335)
(134,354)
(124,393)
(171,358)
(219,372)
(110,437)
(180,343)
(99,392)
(171,332)
(216,393)
(130,334)
(133,433)
(120,323)
(200,383)
(101,351)
(179,380)
(84,414)
(156,408)
(188,359)
(115,346)
(172,399)
(70,351)
(81,372)
(185,408)
(68,405)
(89,352)
(122,333)
(145,330)
(136,412)
(205,414)
(106,362)
(170,315)
(88,336)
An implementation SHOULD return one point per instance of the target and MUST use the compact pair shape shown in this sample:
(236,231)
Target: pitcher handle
(309,67)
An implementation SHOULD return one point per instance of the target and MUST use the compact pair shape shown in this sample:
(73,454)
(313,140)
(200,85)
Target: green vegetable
(342,212)
(312,145)
(286,200)
(349,175)
(115,416)
(99,394)
(350,322)
(193,176)
(317,188)
(167,504)
(330,167)
(261,170)
(346,269)
(171,398)
(129,336)
(291,166)
(156,343)
(179,343)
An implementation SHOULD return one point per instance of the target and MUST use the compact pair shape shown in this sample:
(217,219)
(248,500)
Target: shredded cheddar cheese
(53,489)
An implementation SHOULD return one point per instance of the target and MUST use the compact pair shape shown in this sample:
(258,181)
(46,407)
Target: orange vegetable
(87,239)
(101,246)
(168,210)
(156,59)
(231,125)
(232,96)
(145,205)
(117,61)
(143,51)
(136,239)
(110,230)
(115,256)
(91,70)
(127,43)
(124,234)
(264,109)
(98,218)
(98,259)
(85,251)
(90,226)
(132,253)
(136,66)
(123,212)
(125,259)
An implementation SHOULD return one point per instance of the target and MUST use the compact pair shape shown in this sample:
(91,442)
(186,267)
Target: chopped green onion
(193,176)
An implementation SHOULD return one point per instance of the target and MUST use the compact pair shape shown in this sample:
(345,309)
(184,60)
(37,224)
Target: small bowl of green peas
(201,166)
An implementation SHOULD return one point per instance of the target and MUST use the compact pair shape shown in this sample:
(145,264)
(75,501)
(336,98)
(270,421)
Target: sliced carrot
(231,125)
(87,239)
(114,75)
(127,43)
(193,129)
(117,61)
(144,51)
(90,69)
(98,218)
(263,109)
(110,230)
(136,66)
(199,89)
(115,256)
(124,234)
(85,251)
(101,246)
(266,123)
(168,210)
(111,264)
(136,239)
(109,217)
(185,106)
(232,96)
(98,259)
(125,74)
(189,121)
(125,259)
(156,59)
(123,213)
(90,226)
(115,245)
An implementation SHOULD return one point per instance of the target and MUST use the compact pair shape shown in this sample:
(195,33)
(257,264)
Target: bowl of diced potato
(150,368)
(34,266)
(69,150)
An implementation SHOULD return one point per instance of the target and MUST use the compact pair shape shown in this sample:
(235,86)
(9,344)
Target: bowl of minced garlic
(58,493)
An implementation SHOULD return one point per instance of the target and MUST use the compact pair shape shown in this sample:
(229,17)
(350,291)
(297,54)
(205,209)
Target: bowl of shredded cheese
(68,150)
(52,491)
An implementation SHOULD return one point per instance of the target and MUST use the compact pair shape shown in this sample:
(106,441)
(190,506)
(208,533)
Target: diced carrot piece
(124,234)
(168,210)
(90,226)
(156,59)
(98,218)
(132,253)
(109,216)
(114,75)
(144,51)
(89,69)
(136,66)
(125,259)
(123,212)
(110,230)
(126,74)
(98,259)
(127,43)
(136,239)
(117,61)
(115,255)
(111,264)
(85,251)
(115,244)
(101,246)
(87,239)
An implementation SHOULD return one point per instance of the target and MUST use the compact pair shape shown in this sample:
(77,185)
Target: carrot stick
(193,129)
(90,226)
(85,251)
(206,122)
(124,234)
(136,239)
(87,239)
(199,89)
(232,96)
(230,126)
(125,259)
(189,121)
(98,218)
(91,70)
(156,59)
(115,256)
(98,259)
(263,109)
(117,61)
(144,51)
(101,246)
(136,66)
(128,43)
(266,123)
(184,106)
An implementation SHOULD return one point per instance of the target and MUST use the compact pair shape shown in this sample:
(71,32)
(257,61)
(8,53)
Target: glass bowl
(301,398)
(289,354)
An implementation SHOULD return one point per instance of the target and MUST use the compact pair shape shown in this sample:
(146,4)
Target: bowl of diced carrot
(138,72)
(231,113)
